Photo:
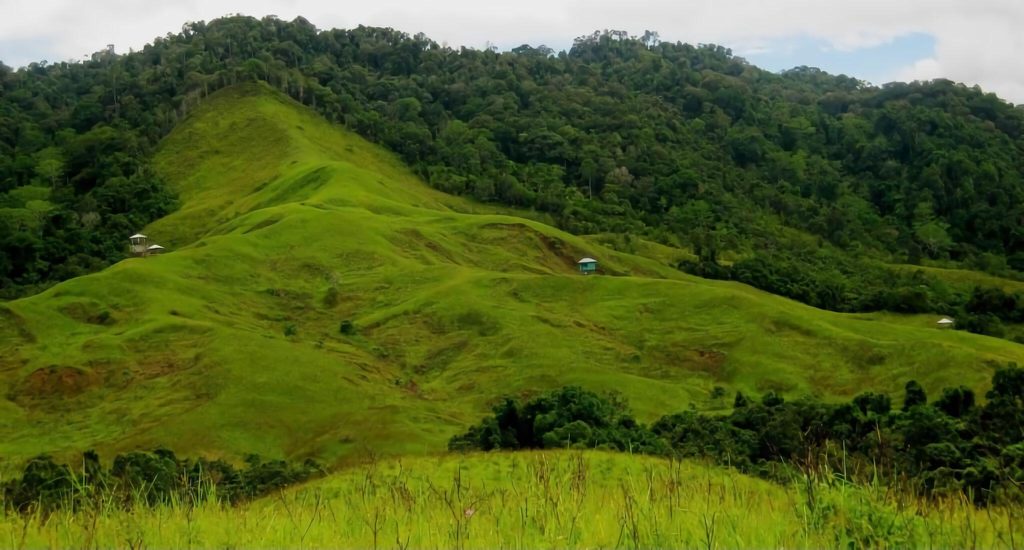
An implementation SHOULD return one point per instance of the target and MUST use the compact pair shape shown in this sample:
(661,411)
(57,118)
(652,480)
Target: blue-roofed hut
(587,266)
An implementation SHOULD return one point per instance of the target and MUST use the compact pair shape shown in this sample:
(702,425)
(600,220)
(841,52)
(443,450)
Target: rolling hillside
(537,500)
(233,342)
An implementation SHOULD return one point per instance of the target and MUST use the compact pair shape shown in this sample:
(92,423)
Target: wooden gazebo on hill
(140,247)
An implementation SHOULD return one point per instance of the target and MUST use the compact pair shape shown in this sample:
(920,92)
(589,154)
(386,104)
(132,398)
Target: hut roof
(138,236)
(587,261)
(154,247)
(945,321)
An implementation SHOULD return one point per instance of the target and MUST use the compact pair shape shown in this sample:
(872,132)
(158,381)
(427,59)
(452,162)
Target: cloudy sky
(971,41)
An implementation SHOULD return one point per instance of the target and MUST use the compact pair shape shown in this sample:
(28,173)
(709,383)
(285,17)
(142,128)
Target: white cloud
(980,47)
(975,41)
(923,69)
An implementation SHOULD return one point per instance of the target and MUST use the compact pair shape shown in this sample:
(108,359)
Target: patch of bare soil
(54,382)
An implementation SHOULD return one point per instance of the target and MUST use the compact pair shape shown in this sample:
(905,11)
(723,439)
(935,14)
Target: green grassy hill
(535,500)
(230,343)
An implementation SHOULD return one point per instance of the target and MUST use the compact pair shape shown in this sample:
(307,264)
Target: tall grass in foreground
(531,500)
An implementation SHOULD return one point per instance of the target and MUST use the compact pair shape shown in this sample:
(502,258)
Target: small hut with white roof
(139,246)
(587,266)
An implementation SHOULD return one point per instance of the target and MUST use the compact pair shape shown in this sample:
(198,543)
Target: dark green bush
(953,445)
(147,478)
(570,417)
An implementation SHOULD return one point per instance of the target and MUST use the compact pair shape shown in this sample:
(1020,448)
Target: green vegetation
(829,279)
(141,478)
(453,305)
(567,418)
(320,301)
(538,500)
(685,146)
(952,447)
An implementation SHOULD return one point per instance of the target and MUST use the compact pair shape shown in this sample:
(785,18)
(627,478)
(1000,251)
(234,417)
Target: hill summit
(319,299)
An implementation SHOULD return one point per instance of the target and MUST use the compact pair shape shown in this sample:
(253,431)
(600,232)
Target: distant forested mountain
(686,145)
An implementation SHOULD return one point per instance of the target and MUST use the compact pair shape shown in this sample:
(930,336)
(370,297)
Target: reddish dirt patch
(54,381)
(678,358)
(710,361)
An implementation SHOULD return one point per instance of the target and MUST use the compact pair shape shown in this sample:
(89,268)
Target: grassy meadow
(318,300)
(535,500)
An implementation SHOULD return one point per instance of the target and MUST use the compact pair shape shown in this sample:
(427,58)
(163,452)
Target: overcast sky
(971,41)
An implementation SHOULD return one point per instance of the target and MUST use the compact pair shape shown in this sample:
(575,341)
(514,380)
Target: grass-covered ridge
(289,227)
(536,500)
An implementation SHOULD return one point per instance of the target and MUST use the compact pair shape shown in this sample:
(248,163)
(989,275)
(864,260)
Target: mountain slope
(231,343)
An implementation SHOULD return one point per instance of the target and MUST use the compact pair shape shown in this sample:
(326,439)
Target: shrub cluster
(952,444)
(569,417)
(147,478)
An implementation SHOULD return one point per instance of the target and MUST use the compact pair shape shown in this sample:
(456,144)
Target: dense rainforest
(810,184)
